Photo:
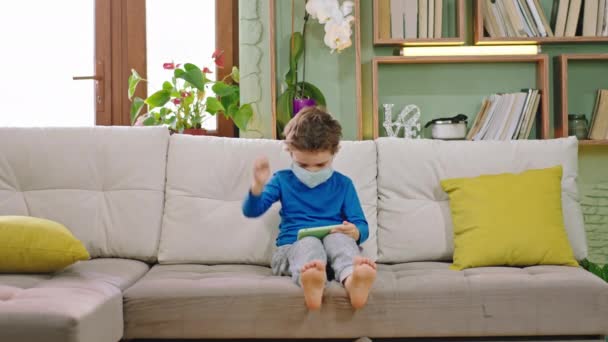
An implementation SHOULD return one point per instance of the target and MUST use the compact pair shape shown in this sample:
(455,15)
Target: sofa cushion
(414,221)
(81,303)
(408,300)
(509,220)
(35,245)
(105,184)
(207,180)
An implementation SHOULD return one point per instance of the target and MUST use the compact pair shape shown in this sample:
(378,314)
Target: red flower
(207,71)
(218,58)
(176,101)
(185,94)
(169,66)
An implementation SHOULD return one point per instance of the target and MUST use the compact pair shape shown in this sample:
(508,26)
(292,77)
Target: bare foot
(360,282)
(312,277)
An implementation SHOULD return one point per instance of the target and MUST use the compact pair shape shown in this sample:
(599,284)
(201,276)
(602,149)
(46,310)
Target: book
(515,18)
(506,116)
(384,18)
(397,11)
(438,18)
(478,119)
(488,117)
(503,15)
(601,12)
(505,102)
(605,28)
(423,7)
(599,123)
(593,114)
(590,18)
(532,117)
(411,19)
(431,19)
(489,22)
(561,14)
(500,23)
(514,115)
(522,117)
(574,13)
(529,115)
(543,18)
(530,22)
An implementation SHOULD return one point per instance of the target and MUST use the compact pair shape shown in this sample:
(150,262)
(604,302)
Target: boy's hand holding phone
(349,229)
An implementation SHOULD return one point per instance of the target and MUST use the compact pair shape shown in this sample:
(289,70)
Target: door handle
(80,78)
(99,91)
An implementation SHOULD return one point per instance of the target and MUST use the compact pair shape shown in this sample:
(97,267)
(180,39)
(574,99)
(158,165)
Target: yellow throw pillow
(509,220)
(34,245)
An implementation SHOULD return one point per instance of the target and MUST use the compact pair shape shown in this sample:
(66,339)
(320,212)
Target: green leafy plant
(184,103)
(600,271)
(296,89)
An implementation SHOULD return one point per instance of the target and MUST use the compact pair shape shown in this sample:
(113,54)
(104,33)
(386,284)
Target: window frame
(120,45)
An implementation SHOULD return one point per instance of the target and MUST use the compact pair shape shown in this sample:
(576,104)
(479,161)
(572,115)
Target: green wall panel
(443,90)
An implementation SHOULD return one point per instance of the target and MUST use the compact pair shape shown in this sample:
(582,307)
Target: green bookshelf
(445,86)
(578,77)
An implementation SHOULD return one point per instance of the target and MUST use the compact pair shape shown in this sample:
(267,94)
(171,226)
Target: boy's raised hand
(261,174)
(349,229)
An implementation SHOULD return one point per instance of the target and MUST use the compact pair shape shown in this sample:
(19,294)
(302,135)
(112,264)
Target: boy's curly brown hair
(313,130)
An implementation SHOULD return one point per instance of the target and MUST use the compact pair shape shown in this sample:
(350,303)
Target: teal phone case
(318,232)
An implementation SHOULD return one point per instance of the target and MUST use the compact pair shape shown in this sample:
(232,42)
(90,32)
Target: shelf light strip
(470,50)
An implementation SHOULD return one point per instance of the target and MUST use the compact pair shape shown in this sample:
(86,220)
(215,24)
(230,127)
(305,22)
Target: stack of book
(526,18)
(599,122)
(413,19)
(506,116)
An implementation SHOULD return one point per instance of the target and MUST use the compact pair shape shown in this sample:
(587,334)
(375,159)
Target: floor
(365,339)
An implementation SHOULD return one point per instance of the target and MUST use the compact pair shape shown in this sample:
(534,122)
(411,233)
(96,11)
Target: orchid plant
(184,101)
(338,21)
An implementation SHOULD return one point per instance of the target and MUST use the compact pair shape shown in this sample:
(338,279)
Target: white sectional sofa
(173,257)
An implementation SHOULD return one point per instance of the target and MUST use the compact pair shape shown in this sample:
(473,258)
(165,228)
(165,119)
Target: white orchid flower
(337,35)
(323,10)
(337,20)
(347,8)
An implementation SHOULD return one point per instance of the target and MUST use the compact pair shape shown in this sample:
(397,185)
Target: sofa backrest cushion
(414,220)
(105,184)
(207,180)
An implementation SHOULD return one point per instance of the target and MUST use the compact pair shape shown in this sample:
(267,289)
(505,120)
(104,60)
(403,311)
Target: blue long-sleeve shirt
(329,203)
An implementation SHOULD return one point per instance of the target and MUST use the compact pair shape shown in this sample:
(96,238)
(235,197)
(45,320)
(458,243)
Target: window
(40,54)
(159,31)
(179,31)
(98,42)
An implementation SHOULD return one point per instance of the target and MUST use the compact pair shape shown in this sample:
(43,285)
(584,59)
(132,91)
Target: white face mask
(310,178)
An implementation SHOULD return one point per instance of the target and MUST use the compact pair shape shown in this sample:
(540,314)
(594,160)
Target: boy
(314,195)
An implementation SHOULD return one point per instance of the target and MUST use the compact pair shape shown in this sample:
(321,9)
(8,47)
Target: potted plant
(184,102)
(598,270)
(300,94)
